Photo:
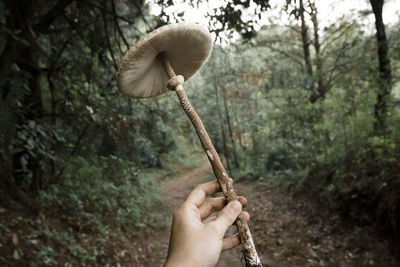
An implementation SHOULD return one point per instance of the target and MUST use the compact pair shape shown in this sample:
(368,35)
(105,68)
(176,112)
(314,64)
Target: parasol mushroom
(148,70)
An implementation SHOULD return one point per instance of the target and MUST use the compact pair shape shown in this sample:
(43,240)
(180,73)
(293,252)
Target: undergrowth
(109,186)
(98,203)
(331,153)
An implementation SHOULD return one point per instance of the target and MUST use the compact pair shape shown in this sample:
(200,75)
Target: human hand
(197,241)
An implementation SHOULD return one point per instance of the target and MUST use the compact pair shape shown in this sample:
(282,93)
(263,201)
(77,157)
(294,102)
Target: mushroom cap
(185,45)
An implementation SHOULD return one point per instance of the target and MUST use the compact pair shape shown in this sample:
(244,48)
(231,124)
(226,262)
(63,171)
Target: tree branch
(292,57)
(117,25)
(45,22)
(108,40)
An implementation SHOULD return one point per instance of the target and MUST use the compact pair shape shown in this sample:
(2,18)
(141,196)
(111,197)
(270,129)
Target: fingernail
(236,205)
(242,200)
(231,180)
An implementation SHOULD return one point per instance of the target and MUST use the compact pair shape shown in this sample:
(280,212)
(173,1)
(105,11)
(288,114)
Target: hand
(197,241)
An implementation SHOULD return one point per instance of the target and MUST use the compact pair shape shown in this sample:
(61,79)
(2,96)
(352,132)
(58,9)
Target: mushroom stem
(250,253)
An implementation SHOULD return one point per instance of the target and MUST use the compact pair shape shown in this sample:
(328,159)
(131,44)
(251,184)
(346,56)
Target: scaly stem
(246,239)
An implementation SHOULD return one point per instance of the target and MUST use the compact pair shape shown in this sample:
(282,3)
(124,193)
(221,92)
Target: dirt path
(288,230)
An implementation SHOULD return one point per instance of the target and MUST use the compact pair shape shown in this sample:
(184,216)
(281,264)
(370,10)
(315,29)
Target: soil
(288,230)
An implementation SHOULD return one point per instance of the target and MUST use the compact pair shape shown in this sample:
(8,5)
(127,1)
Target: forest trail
(288,230)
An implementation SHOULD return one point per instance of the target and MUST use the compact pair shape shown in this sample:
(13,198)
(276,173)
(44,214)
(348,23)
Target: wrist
(179,262)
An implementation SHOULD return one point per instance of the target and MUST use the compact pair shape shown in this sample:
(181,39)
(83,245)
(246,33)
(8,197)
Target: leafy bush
(104,185)
(331,148)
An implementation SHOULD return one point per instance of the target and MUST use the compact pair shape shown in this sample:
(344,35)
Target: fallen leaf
(122,253)
(313,254)
(34,242)
(16,255)
(14,239)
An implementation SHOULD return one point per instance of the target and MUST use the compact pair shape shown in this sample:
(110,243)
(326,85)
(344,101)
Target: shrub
(106,185)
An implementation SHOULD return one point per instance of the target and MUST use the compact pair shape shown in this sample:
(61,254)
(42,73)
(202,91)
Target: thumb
(227,216)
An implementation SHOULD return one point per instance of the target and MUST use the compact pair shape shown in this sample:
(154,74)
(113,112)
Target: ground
(288,230)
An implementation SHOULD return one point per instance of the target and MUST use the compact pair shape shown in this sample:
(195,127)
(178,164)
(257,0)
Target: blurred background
(300,97)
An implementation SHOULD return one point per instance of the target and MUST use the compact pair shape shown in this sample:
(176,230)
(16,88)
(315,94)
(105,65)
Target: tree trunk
(228,121)
(309,84)
(239,132)
(385,77)
(223,135)
(305,41)
(318,61)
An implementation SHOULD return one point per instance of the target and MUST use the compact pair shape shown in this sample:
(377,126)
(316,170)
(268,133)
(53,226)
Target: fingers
(199,194)
(216,204)
(211,205)
(242,201)
(234,240)
(246,216)
(227,216)
(230,242)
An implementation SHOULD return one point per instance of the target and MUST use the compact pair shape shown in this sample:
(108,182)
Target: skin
(197,239)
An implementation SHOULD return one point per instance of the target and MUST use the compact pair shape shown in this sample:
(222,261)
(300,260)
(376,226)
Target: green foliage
(98,196)
(185,154)
(328,147)
(228,18)
(70,138)
(106,186)
(61,244)
(47,255)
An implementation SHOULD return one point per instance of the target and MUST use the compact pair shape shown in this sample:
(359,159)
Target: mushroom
(148,69)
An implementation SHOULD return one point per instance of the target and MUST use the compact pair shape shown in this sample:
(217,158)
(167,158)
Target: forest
(303,107)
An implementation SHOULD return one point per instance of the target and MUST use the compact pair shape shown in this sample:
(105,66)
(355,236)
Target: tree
(56,66)
(228,17)
(21,50)
(385,76)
